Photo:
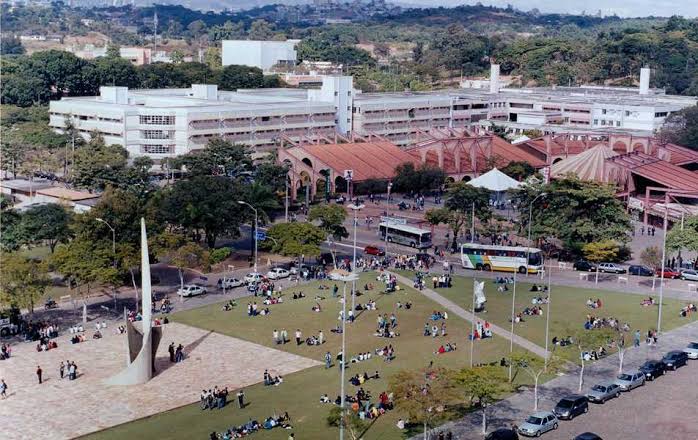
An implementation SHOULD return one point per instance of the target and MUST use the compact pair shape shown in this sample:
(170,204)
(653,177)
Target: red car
(668,273)
(374,250)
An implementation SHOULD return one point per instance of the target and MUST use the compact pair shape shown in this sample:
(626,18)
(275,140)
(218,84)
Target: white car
(253,277)
(229,283)
(689,275)
(191,290)
(611,268)
(277,273)
(692,350)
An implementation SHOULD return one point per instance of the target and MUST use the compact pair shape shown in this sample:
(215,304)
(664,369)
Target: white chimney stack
(645,81)
(494,78)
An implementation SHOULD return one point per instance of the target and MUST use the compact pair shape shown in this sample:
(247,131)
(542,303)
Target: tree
(260,30)
(84,262)
(112,51)
(483,385)
(203,206)
(296,239)
(220,157)
(682,128)
(61,73)
(116,71)
(454,219)
(10,229)
(49,223)
(685,238)
(22,280)
(534,367)
(331,219)
(212,57)
(519,170)
(128,257)
(574,211)
(96,164)
(408,178)
(235,77)
(349,419)
(182,253)
(177,56)
(11,46)
(587,341)
(24,90)
(652,257)
(424,395)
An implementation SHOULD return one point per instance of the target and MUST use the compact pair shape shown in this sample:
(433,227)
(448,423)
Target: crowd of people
(216,398)
(687,310)
(252,426)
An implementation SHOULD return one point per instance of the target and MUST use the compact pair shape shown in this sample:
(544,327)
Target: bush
(218,255)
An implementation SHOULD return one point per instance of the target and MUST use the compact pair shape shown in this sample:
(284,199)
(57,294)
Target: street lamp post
(547,317)
(113,250)
(240,202)
(344,276)
(511,334)
(661,275)
(387,218)
(530,222)
(356,208)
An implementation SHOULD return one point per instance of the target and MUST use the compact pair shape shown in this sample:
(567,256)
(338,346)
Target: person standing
(636,342)
(284,336)
(3,389)
(72,371)
(241,398)
(171,351)
(61,369)
(321,337)
(328,359)
(299,335)
(39,372)
(275,336)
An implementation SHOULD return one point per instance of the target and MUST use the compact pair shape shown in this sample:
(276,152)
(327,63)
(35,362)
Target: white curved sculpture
(140,346)
(480,300)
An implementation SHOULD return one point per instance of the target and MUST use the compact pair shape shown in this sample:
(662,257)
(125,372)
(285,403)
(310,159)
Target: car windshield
(693,345)
(564,403)
(624,377)
(534,420)
(599,388)
(649,365)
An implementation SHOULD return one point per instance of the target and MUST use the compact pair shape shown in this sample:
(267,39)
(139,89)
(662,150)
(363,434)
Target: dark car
(652,369)
(584,265)
(674,360)
(587,436)
(502,434)
(571,406)
(642,271)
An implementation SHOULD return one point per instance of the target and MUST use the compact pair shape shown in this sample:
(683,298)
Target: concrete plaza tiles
(62,409)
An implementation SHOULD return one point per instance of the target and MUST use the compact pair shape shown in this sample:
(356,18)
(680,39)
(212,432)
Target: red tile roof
(662,172)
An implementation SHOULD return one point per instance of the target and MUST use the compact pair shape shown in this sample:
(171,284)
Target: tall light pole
(387,218)
(547,317)
(511,334)
(356,208)
(344,276)
(255,231)
(530,222)
(661,275)
(113,251)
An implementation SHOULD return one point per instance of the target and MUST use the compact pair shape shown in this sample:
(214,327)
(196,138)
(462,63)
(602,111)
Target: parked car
(374,250)
(642,271)
(538,423)
(571,406)
(587,436)
(652,369)
(674,359)
(278,273)
(692,350)
(229,283)
(611,268)
(669,273)
(584,265)
(630,381)
(191,290)
(603,392)
(689,275)
(502,434)
(253,277)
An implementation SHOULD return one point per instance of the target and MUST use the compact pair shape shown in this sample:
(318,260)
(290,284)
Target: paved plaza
(62,409)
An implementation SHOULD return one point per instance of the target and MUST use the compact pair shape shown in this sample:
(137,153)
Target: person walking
(636,342)
(241,398)
(39,372)
(61,369)
(171,351)
(328,359)
(3,389)
(284,336)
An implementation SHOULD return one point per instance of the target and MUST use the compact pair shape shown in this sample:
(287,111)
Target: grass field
(300,392)
(568,310)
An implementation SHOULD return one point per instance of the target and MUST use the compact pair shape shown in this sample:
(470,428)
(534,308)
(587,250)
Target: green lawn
(568,310)
(300,392)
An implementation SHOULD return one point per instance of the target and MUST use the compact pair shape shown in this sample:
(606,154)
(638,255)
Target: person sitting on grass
(317,308)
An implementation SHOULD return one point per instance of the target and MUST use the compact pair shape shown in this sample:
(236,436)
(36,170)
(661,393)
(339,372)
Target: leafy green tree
(271,175)
(349,419)
(235,77)
(534,367)
(22,280)
(116,71)
(113,51)
(48,223)
(11,46)
(261,30)
(409,178)
(11,237)
(587,341)
(444,216)
(519,170)
(97,164)
(181,253)
(220,157)
(84,262)
(177,56)
(296,239)
(424,395)
(61,73)
(685,238)
(331,219)
(482,386)
(599,251)
(203,206)
(682,128)
(227,31)
(24,90)
(651,257)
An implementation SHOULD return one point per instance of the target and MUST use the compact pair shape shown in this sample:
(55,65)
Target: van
(571,406)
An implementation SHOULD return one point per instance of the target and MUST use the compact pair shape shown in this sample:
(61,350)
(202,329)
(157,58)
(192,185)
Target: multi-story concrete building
(261,54)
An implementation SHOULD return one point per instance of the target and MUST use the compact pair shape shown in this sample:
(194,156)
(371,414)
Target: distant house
(27,193)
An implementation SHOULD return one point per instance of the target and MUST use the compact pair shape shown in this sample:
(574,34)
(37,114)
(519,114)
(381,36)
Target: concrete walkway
(517,407)
(468,316)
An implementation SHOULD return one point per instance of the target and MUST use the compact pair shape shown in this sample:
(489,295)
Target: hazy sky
(623,8)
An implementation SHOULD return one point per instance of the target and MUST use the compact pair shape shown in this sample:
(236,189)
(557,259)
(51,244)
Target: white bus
(406,235)
(501,258)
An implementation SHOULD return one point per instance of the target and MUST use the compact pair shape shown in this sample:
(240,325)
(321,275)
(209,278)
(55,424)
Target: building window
(603,111)
(156,134)
(617,123)
(157,120)
(660,114)
(157,149)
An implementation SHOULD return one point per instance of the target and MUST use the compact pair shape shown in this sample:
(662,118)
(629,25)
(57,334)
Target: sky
(623,8)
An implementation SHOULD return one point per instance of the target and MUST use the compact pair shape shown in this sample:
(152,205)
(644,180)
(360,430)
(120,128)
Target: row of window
(157,134)
(157,120)
(157,149)
(605,122)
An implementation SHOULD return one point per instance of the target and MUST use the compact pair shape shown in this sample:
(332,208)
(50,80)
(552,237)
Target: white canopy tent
(496,181)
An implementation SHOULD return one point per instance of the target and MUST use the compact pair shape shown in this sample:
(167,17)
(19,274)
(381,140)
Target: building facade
(261,54)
